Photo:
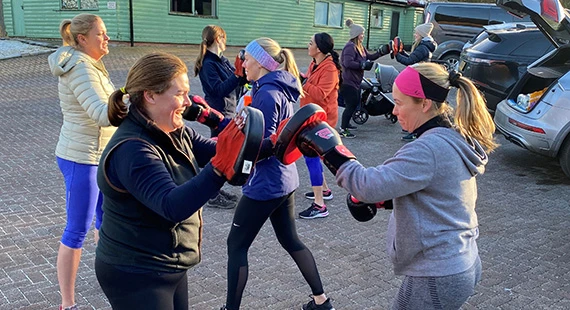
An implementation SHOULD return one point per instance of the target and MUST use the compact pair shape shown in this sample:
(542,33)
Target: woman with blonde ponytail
(84,88)
(270,191)
(431,181)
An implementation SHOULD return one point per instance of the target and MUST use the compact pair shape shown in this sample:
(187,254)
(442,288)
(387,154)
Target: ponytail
(117,109)
(291,66)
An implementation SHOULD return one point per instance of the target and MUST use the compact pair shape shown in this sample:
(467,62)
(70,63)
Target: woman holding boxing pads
(431,181)
(153,187)
(269,192)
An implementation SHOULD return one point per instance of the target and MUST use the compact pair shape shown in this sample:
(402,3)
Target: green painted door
(18,18)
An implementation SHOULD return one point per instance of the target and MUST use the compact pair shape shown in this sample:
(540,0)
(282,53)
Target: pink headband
(410,82)
(261,56)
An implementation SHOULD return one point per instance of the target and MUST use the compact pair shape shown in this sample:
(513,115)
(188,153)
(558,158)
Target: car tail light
(527,127)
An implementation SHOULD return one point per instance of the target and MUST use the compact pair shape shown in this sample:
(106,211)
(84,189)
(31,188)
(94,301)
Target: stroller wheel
(387,115)
(360,117)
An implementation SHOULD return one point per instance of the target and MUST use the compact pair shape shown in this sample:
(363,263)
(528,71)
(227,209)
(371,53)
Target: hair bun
(349,22)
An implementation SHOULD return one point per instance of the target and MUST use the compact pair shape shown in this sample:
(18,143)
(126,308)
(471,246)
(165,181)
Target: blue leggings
(315,170)
(438,293)
(82,200)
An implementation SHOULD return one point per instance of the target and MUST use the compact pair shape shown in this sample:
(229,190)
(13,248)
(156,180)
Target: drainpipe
(368,27)
(132,31)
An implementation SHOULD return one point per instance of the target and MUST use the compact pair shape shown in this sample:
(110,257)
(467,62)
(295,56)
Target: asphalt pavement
(523,208)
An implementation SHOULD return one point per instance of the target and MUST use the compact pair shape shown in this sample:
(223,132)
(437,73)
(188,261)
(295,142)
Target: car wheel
(564,157)
(451,62)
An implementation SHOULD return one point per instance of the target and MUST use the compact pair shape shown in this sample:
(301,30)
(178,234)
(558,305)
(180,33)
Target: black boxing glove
(366,65)
(322,139)
(384,49)
(361,211)
(201,112)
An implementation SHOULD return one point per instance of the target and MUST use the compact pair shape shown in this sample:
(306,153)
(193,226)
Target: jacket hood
(472,153)
(66,58)
(429,43)
(281,80)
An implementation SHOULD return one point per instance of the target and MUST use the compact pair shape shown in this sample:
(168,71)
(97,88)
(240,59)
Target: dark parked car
(499,57)
(457,22)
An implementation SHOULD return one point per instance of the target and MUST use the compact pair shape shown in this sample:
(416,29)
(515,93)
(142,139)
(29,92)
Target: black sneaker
(409,137)
(327,195)
(346,134)
(327,305)
(314,211)
(221,202)
(229,196)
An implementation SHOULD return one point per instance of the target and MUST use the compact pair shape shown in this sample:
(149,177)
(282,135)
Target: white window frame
(194,11)
(78,4)
(377,18)
(332,17)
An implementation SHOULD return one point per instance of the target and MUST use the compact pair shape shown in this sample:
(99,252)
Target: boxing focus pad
(362,212)
(201,112)
(285,146)
(324,140)
(238,146)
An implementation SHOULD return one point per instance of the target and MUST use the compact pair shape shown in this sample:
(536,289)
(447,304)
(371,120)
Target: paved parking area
(523,207)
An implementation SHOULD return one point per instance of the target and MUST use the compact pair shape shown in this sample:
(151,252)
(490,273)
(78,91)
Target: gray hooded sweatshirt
(433,228)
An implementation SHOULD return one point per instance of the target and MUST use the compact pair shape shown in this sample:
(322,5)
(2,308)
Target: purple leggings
(82,200)
(315,170)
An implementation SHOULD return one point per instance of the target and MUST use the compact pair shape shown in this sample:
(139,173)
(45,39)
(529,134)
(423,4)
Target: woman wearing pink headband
(270,190)
(431,181)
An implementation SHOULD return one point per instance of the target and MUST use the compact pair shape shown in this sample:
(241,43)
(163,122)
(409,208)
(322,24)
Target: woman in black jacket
(222,85)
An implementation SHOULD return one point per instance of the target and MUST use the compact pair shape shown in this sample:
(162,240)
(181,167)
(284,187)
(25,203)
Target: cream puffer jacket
(84,89)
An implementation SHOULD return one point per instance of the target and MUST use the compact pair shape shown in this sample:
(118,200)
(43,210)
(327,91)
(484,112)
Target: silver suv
(536,113)
(455,23)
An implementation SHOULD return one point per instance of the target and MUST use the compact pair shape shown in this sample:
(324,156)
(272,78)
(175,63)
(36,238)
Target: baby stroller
(374,100)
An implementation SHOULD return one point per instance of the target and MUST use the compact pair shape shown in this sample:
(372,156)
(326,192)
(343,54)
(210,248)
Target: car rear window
(459,16)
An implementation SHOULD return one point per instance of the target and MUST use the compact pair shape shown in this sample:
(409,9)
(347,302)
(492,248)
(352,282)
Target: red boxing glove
(240,71)
(201,112)
(228,148)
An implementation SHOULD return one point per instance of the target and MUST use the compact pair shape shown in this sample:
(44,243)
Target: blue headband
(261,56)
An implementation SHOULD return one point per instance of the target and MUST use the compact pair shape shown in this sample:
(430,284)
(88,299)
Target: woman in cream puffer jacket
(84,88)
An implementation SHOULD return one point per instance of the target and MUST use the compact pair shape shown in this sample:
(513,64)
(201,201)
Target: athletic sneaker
(346,134)
(327,305)
(314,211)
(327,195)
(221,202)
(74,307)
(229,196)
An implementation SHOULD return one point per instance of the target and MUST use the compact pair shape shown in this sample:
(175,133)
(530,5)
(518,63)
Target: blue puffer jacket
(421,53)
(273,94)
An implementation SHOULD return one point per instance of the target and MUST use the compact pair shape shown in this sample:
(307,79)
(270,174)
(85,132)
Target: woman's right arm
(86,84)
(145,176)
(213,83)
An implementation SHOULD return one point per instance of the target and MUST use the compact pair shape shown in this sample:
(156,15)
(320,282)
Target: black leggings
(249,217)
(145,290)
(351,97)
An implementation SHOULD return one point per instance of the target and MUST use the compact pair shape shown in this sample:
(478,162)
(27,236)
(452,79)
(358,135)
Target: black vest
(133,235)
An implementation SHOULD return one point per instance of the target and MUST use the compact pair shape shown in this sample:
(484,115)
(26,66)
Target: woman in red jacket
(321,87)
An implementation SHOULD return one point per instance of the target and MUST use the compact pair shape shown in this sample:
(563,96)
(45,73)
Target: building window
(377,18)
(194,7)
(79,4)
(328,14)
